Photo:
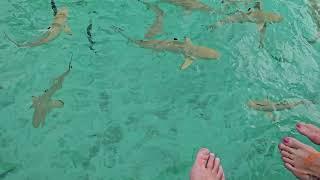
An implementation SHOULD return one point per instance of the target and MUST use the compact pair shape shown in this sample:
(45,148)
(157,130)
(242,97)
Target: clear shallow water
(131,114)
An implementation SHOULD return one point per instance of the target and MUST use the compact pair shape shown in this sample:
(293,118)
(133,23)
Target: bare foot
(295,156)
(206,167)
(309,130)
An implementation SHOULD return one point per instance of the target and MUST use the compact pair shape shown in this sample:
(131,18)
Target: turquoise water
(130,113)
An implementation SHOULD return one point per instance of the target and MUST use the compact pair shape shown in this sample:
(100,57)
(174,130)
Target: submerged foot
(309,130)
(206,167)
(302,160)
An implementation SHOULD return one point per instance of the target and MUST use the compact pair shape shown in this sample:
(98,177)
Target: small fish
(58,25)
(256,16)
(157,26)
(89,36)
(44,104)
(269,106)
(54,7)
(190,5)
(190,51)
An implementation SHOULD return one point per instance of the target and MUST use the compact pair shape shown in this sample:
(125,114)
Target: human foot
(309,130)
(206,167)
(302,160)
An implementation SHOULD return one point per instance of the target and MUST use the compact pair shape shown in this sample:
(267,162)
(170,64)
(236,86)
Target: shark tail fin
(11,40)
(312,99)
(145,3)
(54,7)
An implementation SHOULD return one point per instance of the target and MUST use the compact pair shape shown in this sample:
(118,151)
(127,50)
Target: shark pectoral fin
(187,62)
(56,104)
(67,29)
(34,101)
(272,116)
(262,29)
(187,12)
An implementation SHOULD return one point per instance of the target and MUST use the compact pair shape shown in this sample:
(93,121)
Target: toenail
(299,125)
(286,140)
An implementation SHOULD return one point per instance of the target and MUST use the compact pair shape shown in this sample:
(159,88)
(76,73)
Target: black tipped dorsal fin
(257,6)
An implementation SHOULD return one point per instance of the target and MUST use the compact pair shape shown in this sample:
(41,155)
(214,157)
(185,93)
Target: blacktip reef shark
(157,26)
(255,15)
(314,8)
(269,106)
(190,5)
(44,104)
(190,51)
(58,25)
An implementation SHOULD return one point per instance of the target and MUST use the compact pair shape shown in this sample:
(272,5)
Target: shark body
(190,51)
(44,104)
(257,16)
(58,25)
(269,106)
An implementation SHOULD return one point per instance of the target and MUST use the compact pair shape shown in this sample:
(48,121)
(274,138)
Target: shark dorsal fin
(257,6)
(187,41)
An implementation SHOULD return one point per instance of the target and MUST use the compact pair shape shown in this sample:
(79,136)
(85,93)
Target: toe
(306,129)
(211,161)
(287,160)
(315,138)
(220,172)
(312,127)
(202,157)
(298,173)
(286,154)
(223,177)
(286,148)
(216,166)
(310,131)
(293,143)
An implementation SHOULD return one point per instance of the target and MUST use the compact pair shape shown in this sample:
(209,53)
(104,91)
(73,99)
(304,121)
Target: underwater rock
(112,135)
